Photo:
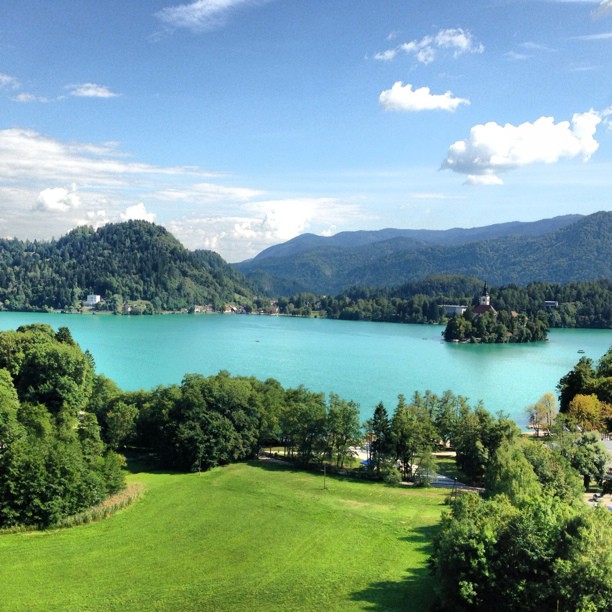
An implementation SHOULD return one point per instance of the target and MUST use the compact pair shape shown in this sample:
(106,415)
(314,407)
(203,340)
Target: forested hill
(554,250)
(135,260)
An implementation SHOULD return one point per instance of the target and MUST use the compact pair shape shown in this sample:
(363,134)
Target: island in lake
(482,323)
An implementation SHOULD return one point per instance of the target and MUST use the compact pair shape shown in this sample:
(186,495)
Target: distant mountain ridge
(570,247)
(451,237)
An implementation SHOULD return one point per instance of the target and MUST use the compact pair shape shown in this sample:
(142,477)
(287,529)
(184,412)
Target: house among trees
(92,300)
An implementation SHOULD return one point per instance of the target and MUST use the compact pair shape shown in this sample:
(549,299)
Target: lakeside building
(92,300)
(453,309)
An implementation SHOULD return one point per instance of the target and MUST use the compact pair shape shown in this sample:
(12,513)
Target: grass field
(255,536)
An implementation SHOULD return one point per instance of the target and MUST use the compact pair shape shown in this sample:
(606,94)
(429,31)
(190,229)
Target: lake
(360,361)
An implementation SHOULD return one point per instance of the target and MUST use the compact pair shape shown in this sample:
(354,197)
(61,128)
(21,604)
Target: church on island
(484,303)
(482,323)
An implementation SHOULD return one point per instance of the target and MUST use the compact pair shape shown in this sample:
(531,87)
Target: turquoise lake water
(360,361)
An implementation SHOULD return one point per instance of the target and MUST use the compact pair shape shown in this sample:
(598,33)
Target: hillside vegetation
(557,250)
(135,260)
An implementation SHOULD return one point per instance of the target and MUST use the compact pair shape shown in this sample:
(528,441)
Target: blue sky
(238,124)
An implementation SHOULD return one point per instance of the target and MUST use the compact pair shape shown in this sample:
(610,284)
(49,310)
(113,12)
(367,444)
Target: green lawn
(245,537)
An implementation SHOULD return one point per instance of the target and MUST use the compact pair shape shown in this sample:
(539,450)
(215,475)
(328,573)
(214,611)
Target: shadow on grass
(415,592)
(142,461)
(277,465)
(288,466)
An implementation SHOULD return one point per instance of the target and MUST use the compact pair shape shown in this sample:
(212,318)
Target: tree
(119,423)
(554,472)
(343,430)
(585,453)
(542,413)
(52,460)
(574,382)
(427,468)
(586,412)
(303,424)
(509,472)
(57,375)
(381,444)
(539,555)
(582,569)
(412,434)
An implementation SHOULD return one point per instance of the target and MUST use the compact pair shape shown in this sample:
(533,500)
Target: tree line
(58,409)
(573,304)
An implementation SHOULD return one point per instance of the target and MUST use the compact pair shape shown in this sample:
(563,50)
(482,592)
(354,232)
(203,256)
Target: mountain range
(561,249)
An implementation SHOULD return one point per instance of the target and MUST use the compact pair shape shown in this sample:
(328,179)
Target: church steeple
(485,298)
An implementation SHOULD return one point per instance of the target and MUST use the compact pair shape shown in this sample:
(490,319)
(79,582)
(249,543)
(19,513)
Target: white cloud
(605,7)
(57,199)
(484,179)
(35,171)
(137,212)
(403,98)
(201,209)
(386,56)
(31,156)
(201,15)
(8,82)
(28,97)
(206,192)
(91,90)
(258,225)
(600,36)
(492,149)
(426,50)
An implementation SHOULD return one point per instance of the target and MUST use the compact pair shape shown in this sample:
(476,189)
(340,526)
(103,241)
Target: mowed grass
(255,536)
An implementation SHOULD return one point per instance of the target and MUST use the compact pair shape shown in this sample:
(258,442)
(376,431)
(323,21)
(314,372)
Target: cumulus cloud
(403,98)
(426,50)
(57,199)
(202,15)
(201,209)
(91,90)
(137,212)
(258,225)
(41,173)
(492,149)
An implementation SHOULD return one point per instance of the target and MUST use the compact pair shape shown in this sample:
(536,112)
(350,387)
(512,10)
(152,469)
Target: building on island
(453,309)
(484,304)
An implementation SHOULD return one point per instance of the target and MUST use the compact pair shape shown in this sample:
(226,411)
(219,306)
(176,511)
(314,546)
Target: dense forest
(122,262)
(573,304)
(53,462)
